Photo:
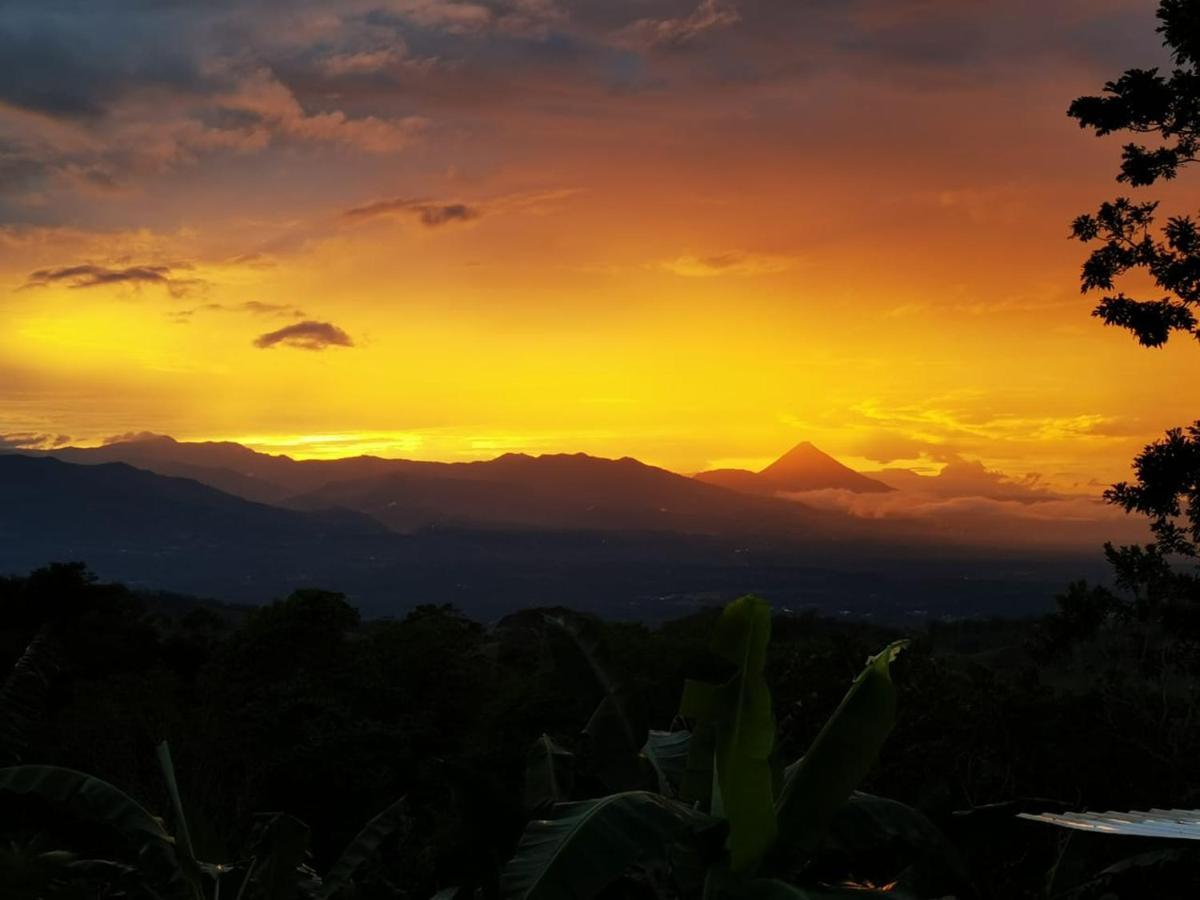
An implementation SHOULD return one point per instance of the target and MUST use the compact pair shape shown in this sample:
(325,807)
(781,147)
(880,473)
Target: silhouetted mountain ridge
(803,468)
(558,491)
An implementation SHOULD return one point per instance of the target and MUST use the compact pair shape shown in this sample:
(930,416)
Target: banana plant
(160,865)
(723,819)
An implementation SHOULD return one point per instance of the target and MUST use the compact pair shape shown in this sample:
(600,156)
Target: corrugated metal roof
(1167,823)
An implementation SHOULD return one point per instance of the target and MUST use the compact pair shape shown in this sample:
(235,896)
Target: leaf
(667,753)
(360,850)
(616,730)
(773,889)
(886,840)
(90,800)
(587,634)
(23,696)
(585,846)
(183,840)
(549,774)
(279,847)
(841,755)
(698,704)
(740,710)
(866,822)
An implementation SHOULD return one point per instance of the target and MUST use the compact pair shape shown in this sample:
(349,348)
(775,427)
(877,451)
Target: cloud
(253,307)
(734,262)
(1081,522)
(132,437)
(677,32)
(968,478)
(519,18)
(433,214)
(31,440)
(307,335)
(941,423)
(429,214)
(88,275)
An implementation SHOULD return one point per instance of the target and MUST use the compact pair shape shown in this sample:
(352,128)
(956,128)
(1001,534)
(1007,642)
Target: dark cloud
(258,308)
(307,335)
(89,275)
(147,87)
(431,215)
(76,63)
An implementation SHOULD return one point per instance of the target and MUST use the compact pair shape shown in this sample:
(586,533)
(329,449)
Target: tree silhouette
(1166,109)
(1145,102)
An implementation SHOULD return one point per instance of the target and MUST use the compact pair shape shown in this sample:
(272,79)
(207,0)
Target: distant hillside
(563,492)
(556,492)
(228,466)
(170,533)
(803,468)
(47,499)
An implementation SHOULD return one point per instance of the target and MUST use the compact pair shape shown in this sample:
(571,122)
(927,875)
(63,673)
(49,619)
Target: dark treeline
(301,707)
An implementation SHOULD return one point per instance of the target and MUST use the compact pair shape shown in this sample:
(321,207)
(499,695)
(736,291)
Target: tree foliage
(1165,108)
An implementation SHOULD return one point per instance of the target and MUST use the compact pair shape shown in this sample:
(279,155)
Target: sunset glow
(690,234)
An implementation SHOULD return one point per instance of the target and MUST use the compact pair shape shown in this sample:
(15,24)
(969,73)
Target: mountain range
(554,491)
(614,535)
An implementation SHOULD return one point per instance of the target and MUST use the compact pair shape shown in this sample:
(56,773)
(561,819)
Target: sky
(691,232)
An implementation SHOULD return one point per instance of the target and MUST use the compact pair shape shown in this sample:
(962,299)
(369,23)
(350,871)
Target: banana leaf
(740,713)
(88,800)
(585,846)
(667,753)
(840,756)
(549,774)
(360,850)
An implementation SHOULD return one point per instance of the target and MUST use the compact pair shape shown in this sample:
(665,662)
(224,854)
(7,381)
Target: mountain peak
(804,456)
(807,467)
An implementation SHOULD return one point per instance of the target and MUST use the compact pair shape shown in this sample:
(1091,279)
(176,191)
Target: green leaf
(85,799)
(183,840)
(841,755)
(740,711)
(360,850)
(549,774)
(667,753)
(587,845)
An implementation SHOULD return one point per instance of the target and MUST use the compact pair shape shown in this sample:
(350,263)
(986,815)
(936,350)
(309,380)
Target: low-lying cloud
(32,440)
(307,335)
(968,503)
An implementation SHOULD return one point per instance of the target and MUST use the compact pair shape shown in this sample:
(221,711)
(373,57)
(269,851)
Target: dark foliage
(1166,107)
(301,708)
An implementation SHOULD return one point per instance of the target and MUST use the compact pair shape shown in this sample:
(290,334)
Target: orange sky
(691,233)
